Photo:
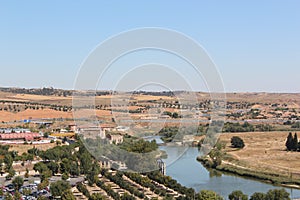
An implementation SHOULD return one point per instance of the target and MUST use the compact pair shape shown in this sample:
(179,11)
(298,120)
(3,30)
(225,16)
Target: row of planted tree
(185,193)
(292,143)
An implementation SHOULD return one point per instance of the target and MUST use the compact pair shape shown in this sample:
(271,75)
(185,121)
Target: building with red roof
(20,136)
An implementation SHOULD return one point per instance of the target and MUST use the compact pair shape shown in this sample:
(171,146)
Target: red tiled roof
(27,136)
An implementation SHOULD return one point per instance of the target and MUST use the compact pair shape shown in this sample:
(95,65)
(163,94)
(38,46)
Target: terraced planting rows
(114,185)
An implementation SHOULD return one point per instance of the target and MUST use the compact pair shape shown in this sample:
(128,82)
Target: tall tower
(162,166)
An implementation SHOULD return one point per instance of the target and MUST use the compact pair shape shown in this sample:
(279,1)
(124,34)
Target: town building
(114,137)
(20,136)
(122,128)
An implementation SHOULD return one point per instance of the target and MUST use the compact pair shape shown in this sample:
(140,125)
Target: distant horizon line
(148,91)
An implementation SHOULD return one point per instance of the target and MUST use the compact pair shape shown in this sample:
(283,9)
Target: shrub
(237,195)
(237,142)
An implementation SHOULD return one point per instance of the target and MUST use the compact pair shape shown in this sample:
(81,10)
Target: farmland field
(264,151)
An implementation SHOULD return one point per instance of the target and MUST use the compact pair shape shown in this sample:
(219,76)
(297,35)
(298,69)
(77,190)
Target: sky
(254,44)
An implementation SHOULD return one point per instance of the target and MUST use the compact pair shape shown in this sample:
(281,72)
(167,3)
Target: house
(14,130)
(114,137)
(72,127)
(122,128)
(91,132)
(45,123)
(107,163)
(107,127)
(20,136)
(104,128)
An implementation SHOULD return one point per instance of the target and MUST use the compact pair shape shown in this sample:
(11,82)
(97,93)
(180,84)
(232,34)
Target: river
(183,167)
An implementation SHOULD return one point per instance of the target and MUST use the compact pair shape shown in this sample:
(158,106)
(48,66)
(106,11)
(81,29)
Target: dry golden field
(23,148)
(117,101)
(264,151)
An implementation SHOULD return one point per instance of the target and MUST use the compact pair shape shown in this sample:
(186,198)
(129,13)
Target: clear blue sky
(255,44)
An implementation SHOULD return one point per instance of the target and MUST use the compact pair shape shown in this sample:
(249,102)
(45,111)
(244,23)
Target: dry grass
(34,114)
(150,97)
(265,151)
(37,97)
(49,113)
(24,147)
(7,116)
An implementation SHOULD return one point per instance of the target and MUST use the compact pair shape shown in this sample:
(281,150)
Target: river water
(183,167)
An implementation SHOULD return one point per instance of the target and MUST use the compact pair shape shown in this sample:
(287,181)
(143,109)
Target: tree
(295,143)
(74,169)
(96,196)
(65,165)
(237,195)
(175,115)
(46,174)
(58,142)
(53,167)
(26,191)
(29,157)
(82,188)
(17,195)
(258,196)
(64,140)
(67,195)
(8,160)
(208,195)
(85,162)
(43,184)
(14,154)
(167,113)
(216,156)
(18,182)
(57,188)
(289,142)
(127,196)
(8,196)
(26,173)
(40,167)
(11,173)
(237,142)
(64,176)
(278,194)
(92,176)
(34,151)
(46,134)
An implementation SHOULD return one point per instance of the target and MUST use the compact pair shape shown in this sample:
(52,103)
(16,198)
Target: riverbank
(267,177)
(263,158)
